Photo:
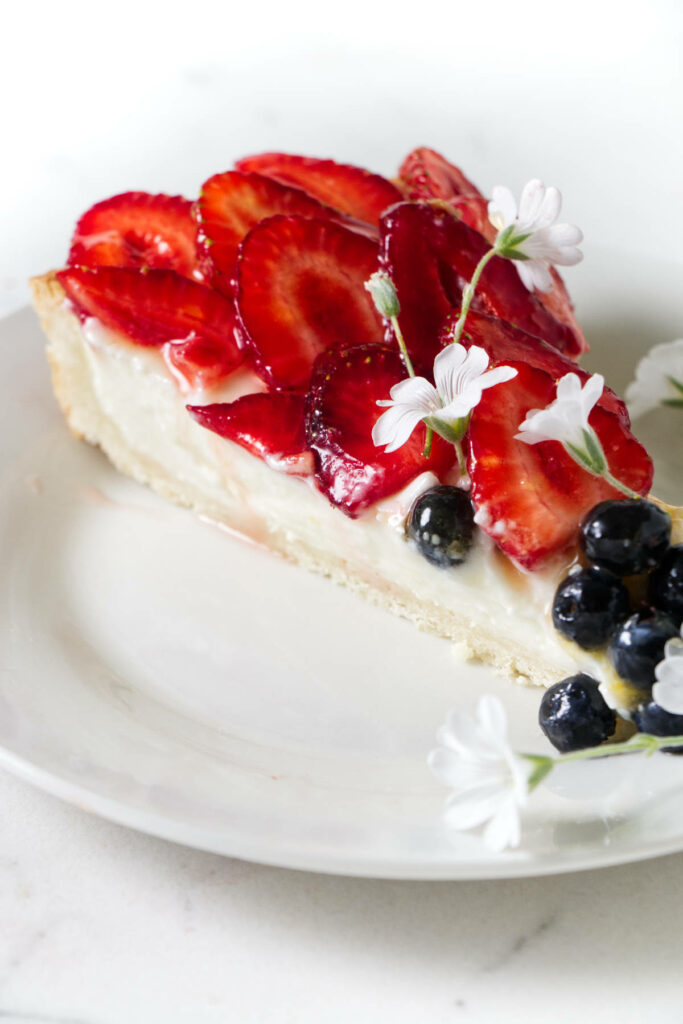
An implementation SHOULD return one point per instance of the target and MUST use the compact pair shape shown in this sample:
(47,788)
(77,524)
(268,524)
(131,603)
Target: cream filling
(137,391)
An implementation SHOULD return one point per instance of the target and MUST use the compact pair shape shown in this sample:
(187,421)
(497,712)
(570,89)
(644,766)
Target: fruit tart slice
(228,353)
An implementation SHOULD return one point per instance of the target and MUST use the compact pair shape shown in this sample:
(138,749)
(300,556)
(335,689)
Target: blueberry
(665,589)
(441,522)
(574,714)
(589,605)
(626,537)
(638,646)
(658,722)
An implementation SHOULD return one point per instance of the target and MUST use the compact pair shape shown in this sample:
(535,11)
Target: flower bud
(383,293)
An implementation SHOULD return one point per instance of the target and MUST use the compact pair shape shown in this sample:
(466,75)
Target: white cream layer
(136,390)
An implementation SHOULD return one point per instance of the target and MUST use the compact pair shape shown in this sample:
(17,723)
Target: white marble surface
(105,926)
(99,925)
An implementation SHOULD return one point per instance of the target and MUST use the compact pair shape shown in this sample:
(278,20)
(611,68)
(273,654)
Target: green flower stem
(462,465)
(429,437)
(619,486)
(402,345)
(468,293)
(642,742)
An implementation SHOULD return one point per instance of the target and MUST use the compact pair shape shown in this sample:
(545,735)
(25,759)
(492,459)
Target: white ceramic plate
(162,674)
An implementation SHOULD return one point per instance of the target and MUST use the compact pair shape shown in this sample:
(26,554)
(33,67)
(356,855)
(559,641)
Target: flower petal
(502,208)
(504,830)
(474,807)
(531,202)
(550,208)
(394,427)
(475,363)
(498,375)
(492,717)
(446,367)
(416,392)
(534,275)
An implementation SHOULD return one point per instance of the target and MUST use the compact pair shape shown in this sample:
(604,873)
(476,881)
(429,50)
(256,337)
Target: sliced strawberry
(231,204)
(504,341)
(352,190)
(430,253)
(531,498)
(156,307)
(268,425)
(342,410)
(199,362)
(137,229)
(425,174)
(300,290)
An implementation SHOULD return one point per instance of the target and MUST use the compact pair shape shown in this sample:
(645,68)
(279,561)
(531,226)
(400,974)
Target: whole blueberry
(574,714)
(654,719)
(637,647)
(665,587)
(628,536)
(441,522)
(589,605)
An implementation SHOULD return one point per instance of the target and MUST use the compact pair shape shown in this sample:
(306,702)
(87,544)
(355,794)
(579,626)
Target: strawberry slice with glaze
(231,204)
(269,425)
(157,307)
(352,190)
(530,499)
(430,254)
(341,412)
(504,342)
(137,229)
(300,290)
(425,174)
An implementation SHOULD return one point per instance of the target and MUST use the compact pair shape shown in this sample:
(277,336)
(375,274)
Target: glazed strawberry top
(268,266)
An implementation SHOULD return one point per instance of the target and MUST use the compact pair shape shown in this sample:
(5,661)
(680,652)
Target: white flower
(529,234)
(490,782)
(658,380)
(566,418)
(460,376)
(668,690)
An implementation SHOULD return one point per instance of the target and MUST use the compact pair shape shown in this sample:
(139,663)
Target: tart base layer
(496,612)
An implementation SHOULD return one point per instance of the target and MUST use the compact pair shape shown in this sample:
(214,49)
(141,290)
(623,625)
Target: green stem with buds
(402,345)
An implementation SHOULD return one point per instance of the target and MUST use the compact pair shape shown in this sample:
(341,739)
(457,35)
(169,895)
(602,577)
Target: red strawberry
(531,498)
(425,174)
(268,425)
(352,190)
(155,307)
(199,362)
(231,204)
(504,341)
(429,253)
(342,410)
(300,290)
(137,229)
